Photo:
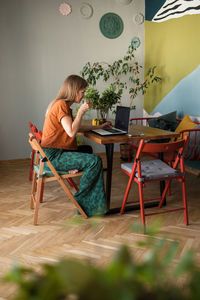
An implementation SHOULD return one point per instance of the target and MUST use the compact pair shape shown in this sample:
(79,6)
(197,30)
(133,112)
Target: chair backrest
(140,121)
(164,147)
(36,132)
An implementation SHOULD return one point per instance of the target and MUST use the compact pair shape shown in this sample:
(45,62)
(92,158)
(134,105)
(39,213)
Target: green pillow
(165,122)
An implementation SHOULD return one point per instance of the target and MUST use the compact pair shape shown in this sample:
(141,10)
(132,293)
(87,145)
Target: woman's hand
(85,128)
(84,108)
(106,124)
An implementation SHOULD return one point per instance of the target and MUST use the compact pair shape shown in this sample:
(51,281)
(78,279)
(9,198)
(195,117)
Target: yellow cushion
(186,123)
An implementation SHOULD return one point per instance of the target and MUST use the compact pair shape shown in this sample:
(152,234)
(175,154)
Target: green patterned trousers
(91,194)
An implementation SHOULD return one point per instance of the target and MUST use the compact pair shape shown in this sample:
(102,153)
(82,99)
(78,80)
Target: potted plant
(124,73)
(103,103)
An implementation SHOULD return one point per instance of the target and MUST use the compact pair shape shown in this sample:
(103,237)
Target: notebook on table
(121,123)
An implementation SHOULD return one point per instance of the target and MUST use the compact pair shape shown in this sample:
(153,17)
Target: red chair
(191,151)
(143,172)
(38,134)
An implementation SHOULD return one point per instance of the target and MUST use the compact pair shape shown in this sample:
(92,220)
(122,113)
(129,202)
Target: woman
(60,145)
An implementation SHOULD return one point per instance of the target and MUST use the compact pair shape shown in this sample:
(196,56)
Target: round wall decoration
(138,19)
(111,25)
(86,10)
(135,42)
(65,9)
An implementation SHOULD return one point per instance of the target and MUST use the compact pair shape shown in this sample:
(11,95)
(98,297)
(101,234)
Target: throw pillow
(165,122)
(186,123)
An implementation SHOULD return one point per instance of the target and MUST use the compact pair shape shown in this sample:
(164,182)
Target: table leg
(109,157)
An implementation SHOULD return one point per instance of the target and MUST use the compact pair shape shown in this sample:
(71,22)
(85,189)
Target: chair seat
(149,167)
(47,172)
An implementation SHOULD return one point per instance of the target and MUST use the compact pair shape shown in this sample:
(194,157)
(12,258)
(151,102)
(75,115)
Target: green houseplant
(155,276)
(103,103)
(124,73)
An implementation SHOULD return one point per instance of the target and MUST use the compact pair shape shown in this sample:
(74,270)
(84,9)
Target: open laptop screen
(122,118)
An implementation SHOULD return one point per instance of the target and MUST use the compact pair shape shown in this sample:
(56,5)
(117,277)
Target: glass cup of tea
(89,103)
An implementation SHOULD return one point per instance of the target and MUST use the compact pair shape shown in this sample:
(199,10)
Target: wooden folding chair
(143,172)
(38,134)
(43,174)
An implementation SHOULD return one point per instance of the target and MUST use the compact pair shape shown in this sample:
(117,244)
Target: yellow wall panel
(174,47)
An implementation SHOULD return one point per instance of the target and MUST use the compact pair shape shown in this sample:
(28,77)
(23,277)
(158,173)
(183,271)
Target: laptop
(121,123)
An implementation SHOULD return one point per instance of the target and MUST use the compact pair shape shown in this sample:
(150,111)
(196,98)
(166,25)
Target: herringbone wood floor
(21,242)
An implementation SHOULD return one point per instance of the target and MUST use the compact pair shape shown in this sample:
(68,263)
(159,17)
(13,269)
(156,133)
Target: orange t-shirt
(54,135)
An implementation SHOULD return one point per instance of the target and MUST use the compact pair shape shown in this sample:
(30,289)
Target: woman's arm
(72,127)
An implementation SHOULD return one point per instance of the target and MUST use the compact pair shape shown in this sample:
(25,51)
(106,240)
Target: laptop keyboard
(112,130)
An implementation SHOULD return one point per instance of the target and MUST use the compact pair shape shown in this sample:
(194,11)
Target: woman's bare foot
(73,171)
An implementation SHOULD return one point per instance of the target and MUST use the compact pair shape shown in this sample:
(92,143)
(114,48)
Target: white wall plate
(138,19)
(86,10)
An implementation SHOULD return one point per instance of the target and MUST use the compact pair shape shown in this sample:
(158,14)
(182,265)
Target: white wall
(39,48)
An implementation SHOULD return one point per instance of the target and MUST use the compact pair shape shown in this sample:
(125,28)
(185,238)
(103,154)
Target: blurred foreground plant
(124,278)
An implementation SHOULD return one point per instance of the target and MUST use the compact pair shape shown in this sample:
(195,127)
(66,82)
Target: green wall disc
(111,25)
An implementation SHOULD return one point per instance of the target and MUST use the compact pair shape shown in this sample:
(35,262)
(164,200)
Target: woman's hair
(69,89)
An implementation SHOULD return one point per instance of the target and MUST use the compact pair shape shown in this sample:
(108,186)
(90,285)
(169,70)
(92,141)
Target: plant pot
(125,152)
(102,114)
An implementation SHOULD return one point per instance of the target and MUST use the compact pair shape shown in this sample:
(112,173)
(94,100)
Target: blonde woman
(60,145)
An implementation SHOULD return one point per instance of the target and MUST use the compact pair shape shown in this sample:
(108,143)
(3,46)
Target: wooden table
(142,132)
